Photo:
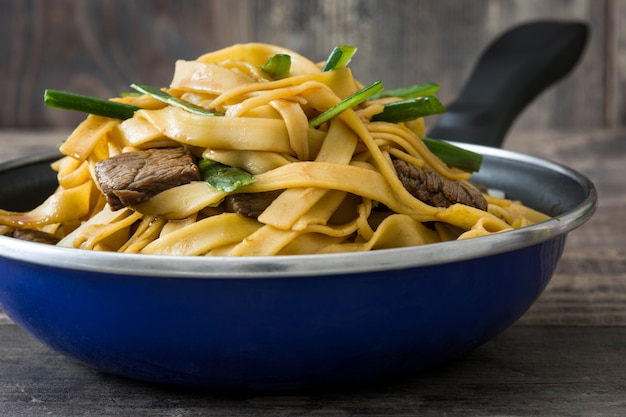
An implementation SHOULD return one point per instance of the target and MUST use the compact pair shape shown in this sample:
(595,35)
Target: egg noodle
(340,191)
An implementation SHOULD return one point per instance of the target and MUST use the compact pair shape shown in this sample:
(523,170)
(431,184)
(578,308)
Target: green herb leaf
(347,103)
(278,65)
(167,98)
(454,156)
(409,109)
(87,104)
(339,57)
(223,177)
(413,91)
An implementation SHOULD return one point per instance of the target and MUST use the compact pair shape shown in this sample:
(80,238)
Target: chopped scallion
(167,98)
(87,104)
(278,65)
(347,103)
(454,156)
(413,91)
(409,109)
(340,57)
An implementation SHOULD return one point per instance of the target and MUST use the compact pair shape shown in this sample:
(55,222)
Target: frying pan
(510,73)
(295,322)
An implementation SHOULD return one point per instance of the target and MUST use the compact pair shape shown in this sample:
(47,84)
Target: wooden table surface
(565,357)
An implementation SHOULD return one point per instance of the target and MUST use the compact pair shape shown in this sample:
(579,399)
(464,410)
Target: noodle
(337,186)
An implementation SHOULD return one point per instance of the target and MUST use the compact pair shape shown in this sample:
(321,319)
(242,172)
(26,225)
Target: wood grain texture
(616,70)
(99,48)
(526,371)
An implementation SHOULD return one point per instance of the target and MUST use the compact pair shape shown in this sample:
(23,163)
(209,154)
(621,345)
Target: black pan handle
(510,73)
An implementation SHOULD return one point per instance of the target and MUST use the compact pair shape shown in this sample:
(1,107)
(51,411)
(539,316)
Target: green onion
(413,91)
(409,109)
(87,104)
(454,156)
(340,57)
(161,95)
(277,65)
(347,103)
(223,177)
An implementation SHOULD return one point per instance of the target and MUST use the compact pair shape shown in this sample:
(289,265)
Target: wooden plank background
(100,47)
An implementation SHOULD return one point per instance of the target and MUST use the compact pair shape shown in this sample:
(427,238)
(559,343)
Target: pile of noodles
(334,177)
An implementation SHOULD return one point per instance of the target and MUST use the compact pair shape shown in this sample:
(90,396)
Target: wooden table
(565,357)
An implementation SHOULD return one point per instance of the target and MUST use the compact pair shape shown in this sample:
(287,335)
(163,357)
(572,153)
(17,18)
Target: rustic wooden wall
(100,47)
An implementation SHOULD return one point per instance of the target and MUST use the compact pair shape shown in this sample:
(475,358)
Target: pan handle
(509,74)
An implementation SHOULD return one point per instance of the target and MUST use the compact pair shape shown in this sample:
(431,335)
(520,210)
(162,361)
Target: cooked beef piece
(35,236)
(481,187)
(250,204)
(133,177)
(436,190)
